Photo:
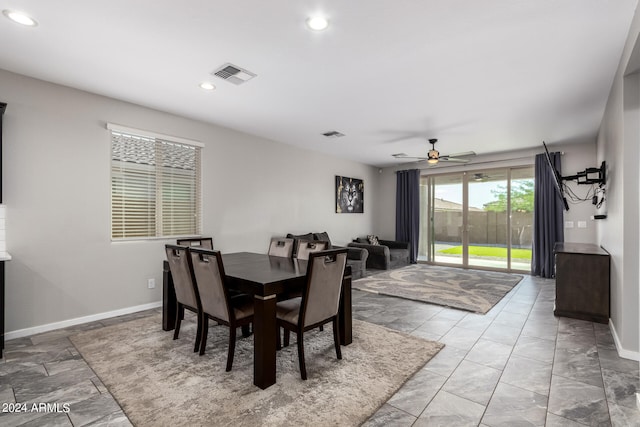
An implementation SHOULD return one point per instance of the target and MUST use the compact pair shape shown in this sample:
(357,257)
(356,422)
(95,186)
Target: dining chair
(216,302)
(186,292)
(318,304)
(197,242)
(281,246)
(306,247)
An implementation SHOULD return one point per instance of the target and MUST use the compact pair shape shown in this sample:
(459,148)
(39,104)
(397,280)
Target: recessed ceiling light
(317,23)
(207,86)
(20,18)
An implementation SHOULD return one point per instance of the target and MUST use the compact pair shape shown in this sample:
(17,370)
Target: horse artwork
(349,195)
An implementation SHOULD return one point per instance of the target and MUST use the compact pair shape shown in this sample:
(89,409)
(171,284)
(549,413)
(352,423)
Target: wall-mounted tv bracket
(589,176)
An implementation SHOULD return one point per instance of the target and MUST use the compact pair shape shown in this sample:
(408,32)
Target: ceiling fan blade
(401,156)
(465,154)
(453,160)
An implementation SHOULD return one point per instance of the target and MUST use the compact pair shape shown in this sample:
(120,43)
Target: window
(155,185)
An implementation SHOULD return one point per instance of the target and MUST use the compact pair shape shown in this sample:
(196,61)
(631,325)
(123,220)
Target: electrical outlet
(151,283)
(638,400)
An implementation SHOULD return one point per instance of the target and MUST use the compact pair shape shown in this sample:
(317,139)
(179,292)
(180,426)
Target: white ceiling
(487,76)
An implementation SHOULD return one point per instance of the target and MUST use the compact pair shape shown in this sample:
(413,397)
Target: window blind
(155,187)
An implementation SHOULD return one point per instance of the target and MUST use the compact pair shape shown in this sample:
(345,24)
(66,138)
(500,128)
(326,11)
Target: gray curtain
(408,210)
(548,217)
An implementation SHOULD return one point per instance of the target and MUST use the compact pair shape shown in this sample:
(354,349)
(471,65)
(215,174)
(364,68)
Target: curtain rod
(458,165)
(479,163)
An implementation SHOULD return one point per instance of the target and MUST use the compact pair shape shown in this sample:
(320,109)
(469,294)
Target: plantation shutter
(155,187)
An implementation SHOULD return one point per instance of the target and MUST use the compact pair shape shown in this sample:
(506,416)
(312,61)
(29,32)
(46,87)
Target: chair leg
(232,346)
(245,331)
(336,338)
(204,334)
(201,319)
(303,368)
(286,337)
(179,316)
(278,340)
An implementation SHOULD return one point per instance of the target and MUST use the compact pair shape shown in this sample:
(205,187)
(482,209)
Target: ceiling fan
(434,157)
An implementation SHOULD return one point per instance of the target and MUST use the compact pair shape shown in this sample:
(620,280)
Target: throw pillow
(322,237)
(373,240)
(307,236)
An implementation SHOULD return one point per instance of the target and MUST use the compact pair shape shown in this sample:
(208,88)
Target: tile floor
(518,365)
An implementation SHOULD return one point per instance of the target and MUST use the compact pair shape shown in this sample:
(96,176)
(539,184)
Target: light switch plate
(582,224)
(568,224)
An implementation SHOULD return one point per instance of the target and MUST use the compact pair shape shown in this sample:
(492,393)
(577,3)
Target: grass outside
(489,251)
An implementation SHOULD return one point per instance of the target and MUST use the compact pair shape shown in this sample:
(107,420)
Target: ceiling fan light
(432,161)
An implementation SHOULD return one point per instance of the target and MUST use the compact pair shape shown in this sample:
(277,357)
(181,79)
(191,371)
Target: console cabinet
(582,282)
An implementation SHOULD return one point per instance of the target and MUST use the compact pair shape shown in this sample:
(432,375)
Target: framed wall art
(349,195)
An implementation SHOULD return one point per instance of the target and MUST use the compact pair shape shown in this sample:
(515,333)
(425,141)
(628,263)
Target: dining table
(265,278)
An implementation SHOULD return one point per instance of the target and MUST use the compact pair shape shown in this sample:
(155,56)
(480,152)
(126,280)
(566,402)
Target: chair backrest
(186,292)
(208,273)
(198,242)
(321,298)
(306,247)
(281,246)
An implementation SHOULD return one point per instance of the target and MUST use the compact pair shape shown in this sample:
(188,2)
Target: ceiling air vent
(333,134)
(234,74)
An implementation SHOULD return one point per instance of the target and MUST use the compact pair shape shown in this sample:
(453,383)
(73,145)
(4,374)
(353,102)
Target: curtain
(548,217)
(408,210)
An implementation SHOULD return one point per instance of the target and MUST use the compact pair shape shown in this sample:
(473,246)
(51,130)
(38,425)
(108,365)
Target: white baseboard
(622,352)
(78,320)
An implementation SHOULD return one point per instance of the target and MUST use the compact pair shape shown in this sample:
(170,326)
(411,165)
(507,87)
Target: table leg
(169,301)
(264,335)
(344,313)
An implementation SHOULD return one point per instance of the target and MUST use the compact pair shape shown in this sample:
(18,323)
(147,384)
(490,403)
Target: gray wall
(57,190)
(618,143)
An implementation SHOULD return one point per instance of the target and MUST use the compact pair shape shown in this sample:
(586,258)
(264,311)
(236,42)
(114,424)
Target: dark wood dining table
(264,277)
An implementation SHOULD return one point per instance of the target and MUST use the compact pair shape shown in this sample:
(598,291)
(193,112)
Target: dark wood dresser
(582,281)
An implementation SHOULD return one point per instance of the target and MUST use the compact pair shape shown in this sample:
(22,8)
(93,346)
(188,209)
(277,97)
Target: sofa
(383,254)
(356,257)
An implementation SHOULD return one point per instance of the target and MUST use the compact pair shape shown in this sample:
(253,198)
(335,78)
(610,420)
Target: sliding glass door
(488,227)
(481,219)
(522,184)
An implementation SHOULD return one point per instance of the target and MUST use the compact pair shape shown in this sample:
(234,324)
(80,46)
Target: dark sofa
(356,257)
(386,255)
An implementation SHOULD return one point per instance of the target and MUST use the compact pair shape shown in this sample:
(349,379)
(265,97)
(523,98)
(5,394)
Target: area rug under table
(162,382)
(471,290)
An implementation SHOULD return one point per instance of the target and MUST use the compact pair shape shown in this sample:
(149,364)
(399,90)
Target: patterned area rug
(471,290)
(161,382)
